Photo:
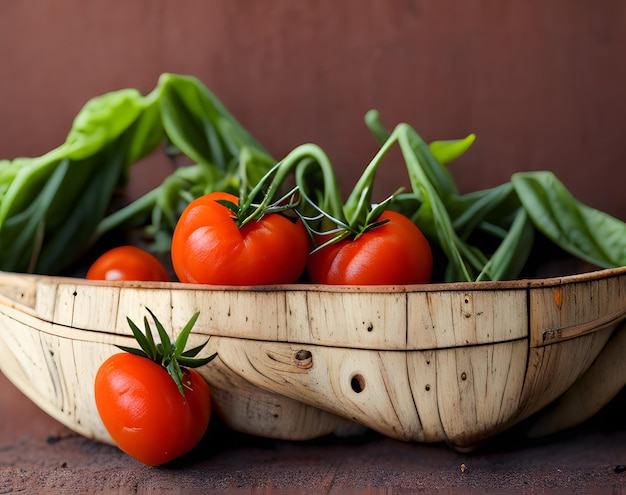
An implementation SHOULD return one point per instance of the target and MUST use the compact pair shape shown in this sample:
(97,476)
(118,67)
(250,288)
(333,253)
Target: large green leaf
(581,230)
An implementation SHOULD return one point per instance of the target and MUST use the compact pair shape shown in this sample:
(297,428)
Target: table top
(39,455)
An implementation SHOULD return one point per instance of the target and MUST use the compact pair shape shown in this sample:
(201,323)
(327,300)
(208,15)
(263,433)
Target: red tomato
(145,413)
(128,263)
(395,253)
(208,247)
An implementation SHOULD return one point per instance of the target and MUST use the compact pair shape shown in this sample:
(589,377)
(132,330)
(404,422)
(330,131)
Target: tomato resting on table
(154,406)
(128,263)
(394,253)
(209,247)
(144,412)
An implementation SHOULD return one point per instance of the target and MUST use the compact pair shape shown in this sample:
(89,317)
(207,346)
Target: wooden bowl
(442,362)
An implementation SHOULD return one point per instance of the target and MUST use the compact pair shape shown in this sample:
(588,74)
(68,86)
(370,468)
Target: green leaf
(181,340)
(132,350)
(376,127)
(449,150)
(509,259)
(101,120)
(165,339)
(171,357)
(196,362)
(438,175)
(108,134)
(23,229)
(584,232)
(196,121)
(173,369)
(141,339)
(76,210)
(193,352)
(470,210)
(433,211)
(150,344)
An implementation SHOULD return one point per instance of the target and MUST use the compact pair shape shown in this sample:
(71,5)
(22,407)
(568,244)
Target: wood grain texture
(602,381)
(445,362)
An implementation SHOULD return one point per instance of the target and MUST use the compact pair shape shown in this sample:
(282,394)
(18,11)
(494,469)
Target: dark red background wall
(541,82)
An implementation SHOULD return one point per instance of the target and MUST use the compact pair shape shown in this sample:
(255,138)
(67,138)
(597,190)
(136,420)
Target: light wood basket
(444,362)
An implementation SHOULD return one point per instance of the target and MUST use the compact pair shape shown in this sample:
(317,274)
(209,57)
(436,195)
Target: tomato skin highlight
(209,248)
(145,413)
(395,253)
(128,263)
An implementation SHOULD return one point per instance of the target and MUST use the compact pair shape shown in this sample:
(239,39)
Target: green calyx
(249,208)
(365,222)
(171,355)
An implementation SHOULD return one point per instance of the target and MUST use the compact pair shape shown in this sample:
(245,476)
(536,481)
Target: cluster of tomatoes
(208,247)
(144,411)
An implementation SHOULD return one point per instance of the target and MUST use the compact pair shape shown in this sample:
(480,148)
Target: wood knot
(303,359)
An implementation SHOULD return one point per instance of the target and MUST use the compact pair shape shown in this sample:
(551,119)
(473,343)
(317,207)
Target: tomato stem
(269,185)
(170,355)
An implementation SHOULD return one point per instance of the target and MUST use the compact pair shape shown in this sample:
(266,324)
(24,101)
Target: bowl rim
(519,284)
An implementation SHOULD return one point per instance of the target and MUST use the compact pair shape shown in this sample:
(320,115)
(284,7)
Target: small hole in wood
(303,359)
(464,376)
(427,387)
(303,355)
(357,382)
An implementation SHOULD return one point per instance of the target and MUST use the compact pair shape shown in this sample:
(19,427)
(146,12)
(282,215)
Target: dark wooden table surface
(38,455)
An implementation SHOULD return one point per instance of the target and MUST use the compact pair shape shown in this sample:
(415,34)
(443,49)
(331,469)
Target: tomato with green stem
(394,252)
(154,404)
(358,242)
(128,263)
(221,239)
